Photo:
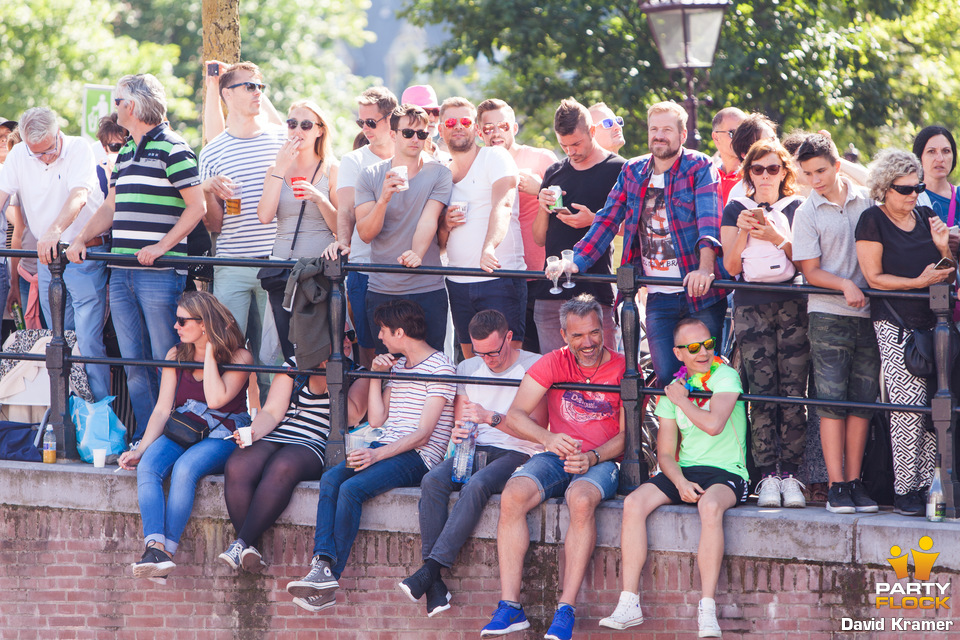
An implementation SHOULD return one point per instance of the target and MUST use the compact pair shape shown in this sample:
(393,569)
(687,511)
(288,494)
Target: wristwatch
(594,452)
(496,419)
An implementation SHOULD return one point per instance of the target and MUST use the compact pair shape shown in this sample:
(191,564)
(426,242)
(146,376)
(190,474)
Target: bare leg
(513,537)
(832,432)
(712,505)
(633,532)
(855,442)
(582,499)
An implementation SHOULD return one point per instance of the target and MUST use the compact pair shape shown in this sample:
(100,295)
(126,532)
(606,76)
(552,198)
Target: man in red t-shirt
(584,439)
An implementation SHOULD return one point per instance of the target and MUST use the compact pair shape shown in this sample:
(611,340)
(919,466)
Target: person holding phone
(903,247)
(771,327)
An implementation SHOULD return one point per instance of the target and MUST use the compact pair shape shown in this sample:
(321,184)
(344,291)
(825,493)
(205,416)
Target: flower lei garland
(691,382)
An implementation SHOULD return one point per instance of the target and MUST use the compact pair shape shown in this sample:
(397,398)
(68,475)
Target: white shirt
(465,244)
(347,177)
(43,189)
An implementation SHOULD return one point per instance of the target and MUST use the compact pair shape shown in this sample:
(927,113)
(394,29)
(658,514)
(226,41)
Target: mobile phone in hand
(945,263)
(213,69)
(563,211)
(757,213)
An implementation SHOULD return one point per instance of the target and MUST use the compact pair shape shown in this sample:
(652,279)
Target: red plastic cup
(297,191)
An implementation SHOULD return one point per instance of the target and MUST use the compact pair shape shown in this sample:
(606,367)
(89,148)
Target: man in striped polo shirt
(155,200)
(242,153)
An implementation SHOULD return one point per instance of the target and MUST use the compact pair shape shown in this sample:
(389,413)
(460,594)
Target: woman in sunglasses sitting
(903,247)
(196,397)
(289,444)
(771,326)
(300,191)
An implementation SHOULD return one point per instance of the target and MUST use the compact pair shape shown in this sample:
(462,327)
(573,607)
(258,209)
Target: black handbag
(185,429)
(918,350)
(275,278)
(199,244)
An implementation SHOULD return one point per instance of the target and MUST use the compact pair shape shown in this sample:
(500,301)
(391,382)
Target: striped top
(244,160)
(307,421)
(406,405)
(148,179)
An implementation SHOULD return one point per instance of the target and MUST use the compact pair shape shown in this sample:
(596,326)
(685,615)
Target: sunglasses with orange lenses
(694,347)
(451,123)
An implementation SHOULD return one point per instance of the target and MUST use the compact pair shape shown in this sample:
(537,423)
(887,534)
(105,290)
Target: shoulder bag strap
(952,215)
(896,316)
(303,207)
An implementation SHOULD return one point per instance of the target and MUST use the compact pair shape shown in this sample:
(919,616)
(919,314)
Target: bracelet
(783,244)
(276,176)
(594,452)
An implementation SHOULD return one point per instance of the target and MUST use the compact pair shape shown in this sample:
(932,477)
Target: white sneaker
(627,614)
(707,619)
(768,492)
(791,488)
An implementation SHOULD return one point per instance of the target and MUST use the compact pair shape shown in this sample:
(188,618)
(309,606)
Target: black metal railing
(634,394)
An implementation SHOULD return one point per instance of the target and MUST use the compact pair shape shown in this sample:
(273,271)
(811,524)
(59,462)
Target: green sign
(97,102)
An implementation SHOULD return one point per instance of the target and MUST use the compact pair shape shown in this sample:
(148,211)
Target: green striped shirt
(148,179)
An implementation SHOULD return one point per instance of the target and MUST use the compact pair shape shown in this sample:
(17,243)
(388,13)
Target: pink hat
(421,95)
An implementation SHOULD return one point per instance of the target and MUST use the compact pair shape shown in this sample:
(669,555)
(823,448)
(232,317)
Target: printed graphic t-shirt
(657,253)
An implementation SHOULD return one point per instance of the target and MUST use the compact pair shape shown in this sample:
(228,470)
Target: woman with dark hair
(902,246)
(771,328)
(300,192)
(208,335)
(937,151)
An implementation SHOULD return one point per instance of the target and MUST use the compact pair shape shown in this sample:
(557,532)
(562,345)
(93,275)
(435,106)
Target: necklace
(595,369)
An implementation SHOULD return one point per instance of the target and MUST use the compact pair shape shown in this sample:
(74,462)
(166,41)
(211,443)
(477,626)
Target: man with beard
(669,205)
(584,438)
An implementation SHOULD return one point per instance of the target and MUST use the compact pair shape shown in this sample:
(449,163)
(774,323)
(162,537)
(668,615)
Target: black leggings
(259,481)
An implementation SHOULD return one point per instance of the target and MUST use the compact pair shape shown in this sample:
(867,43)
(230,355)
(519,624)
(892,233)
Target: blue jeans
(239,290)
(357,295)
(164,521)
(434,305)
(664,311)
(143,303)
(85,312)
(342,494)
(506,295)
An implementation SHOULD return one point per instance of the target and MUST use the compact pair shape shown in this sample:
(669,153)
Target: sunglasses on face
(350,335)
(907,189)
(305,125)
(369,122)
(182,321)
(492,354)
(114,147)
(491,127)
(117,101)
(773,169)
(249,86)
(409,133)
(451,123)
(694,347)
(432,111)
(729,133)
(607,123)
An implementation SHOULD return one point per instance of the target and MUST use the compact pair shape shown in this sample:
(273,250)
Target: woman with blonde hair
(300,191)
(207,397)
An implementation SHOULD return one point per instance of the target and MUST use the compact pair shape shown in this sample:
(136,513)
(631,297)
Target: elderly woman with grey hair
(903,247)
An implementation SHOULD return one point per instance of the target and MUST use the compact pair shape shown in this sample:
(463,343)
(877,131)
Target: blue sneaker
(506,620)
(562,626)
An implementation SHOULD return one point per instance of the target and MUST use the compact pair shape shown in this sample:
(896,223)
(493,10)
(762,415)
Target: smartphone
(758,214)
(945,263)
(213,69)
(563,211)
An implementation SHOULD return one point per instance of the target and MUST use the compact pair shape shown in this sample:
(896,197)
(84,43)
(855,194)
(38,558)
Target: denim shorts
(546,469)
(506,295)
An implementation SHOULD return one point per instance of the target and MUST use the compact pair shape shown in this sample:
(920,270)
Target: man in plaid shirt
(670,207)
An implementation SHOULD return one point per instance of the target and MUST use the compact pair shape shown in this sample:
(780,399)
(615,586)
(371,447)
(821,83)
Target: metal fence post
(337,383)
(57,366)
(942,404)
(633,469)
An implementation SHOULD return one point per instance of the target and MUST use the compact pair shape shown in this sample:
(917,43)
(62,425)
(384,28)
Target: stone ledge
(810,535)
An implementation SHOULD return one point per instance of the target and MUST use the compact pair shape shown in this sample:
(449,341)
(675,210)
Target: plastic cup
(246,435)
(233,202)
(99,458)
(352,442)
(297,191)
(402,172)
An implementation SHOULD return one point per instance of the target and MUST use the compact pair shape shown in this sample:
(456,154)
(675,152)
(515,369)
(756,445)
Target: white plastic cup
(402,172)
(246,435)
(99,458)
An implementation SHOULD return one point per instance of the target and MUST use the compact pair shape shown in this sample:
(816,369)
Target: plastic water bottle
(463,456)
(49,445)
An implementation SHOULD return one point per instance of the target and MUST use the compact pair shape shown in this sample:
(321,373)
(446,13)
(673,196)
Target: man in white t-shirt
(487,234)
(443,532)
(373,117)
(54,177)
(242,153)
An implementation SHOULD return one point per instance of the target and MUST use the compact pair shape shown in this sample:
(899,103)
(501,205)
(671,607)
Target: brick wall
(65,574)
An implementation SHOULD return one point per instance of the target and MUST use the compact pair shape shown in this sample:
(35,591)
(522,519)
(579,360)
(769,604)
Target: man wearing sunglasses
(608,127)
(487,234)
(399,218)
(241,154)
(444,531)
(55,180)
(726,161)
(423,95)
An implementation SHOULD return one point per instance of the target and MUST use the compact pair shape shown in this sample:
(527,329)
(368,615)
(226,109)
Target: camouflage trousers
(776,354)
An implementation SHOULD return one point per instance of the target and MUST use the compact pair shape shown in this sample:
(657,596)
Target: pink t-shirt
(535,161)
(591,416)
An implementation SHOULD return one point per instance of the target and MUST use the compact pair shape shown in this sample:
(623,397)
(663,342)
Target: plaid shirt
(693,215)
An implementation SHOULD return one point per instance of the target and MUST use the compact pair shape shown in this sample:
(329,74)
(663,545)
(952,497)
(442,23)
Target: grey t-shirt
(314,234)
(433,182)
(822,229)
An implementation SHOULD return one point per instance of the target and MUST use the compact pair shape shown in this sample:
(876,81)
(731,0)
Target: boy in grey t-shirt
(399,218)
(846,360)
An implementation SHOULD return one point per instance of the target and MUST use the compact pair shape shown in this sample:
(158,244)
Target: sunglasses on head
(694,347)
(432,111)
(421,134)
(491,127)
(451,123)
(608,123)
(772,169)
(305,125)
(907,189)
(249,86)
(369,122)
(182,321)
(114,147)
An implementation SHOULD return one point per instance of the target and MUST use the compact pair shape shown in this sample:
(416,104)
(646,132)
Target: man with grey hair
(54,177)
(155,200)
(726,161)
(584,438)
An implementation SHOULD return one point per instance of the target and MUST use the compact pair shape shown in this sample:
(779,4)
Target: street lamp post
(686,34)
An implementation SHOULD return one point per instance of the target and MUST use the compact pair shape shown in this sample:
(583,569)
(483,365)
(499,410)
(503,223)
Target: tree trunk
(221,34)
